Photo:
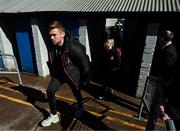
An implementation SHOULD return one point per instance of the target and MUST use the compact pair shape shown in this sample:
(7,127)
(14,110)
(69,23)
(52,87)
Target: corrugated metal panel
(131,5)
(38,6)
(104,6)
(137,5)
(47,5)
(169,5)
(18,6)
(117,8)
(95,6)
(72,6)
(29,6)
(87,6)
(143,4)
(3,3)
(8,5)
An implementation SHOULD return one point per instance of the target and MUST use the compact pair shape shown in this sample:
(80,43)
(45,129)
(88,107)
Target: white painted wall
(6,47)
(41,52)
(83,36)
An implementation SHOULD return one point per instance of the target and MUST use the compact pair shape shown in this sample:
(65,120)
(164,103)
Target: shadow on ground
(67,112)
(33,95)
(85,121)
(97,90)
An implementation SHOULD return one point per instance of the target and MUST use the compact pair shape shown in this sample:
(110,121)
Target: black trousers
(54,85)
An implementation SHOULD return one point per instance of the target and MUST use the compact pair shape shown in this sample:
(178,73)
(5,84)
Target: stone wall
(150,44)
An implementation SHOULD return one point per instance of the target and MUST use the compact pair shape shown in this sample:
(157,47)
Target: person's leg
(54,85)
(79,98)
(108,89)
(77,95)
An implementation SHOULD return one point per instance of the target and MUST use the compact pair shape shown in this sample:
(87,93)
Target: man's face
(57,36)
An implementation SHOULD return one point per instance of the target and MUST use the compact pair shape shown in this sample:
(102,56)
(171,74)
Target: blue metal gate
(1,62)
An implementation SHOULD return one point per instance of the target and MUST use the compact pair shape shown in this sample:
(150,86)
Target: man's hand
(160,111)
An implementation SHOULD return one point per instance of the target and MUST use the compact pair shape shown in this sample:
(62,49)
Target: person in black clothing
(165,61)
(112,62)
(165,66)
(68,63)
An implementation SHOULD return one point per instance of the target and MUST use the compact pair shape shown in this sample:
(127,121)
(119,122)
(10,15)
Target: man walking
(68,63)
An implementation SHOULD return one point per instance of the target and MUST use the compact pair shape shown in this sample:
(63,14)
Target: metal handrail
(154,93)
(16,66)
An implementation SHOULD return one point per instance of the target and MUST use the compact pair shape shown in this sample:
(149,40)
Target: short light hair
(56,24)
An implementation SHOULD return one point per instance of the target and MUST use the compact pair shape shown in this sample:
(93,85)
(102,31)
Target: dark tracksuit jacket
(69,62)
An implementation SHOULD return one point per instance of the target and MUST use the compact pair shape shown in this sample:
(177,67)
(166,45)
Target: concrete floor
(24,107)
